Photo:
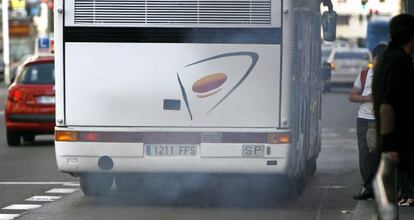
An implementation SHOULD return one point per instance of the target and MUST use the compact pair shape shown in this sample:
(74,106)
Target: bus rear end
(171,86)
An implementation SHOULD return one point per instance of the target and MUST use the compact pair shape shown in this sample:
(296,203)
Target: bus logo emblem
(210,85)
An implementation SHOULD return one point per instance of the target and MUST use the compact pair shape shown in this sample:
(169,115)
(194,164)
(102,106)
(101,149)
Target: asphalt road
(30,170)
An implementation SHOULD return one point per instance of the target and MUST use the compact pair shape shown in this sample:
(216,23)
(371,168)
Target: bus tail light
(66,136)
(279,138)
(89,136)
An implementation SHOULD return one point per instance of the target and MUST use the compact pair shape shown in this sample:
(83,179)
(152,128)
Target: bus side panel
(59,78)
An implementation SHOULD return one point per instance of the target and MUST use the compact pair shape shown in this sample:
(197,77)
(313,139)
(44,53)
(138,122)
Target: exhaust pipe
(105,163)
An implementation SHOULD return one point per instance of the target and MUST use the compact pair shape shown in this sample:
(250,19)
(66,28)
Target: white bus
(187,87)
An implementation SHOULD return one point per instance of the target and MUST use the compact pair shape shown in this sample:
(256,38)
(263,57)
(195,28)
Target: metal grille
(230,12)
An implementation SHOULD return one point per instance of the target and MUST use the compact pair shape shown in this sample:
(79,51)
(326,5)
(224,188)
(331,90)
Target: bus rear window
(43,73)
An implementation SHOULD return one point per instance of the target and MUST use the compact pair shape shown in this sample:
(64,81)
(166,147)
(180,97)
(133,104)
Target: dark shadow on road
(42,143)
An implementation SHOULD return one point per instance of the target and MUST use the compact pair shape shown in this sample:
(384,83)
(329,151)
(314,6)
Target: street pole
(6,45)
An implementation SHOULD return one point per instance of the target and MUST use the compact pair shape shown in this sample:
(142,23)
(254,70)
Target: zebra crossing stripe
(33,183)
(8,216)
(62,190)
(43,198)
(22,207)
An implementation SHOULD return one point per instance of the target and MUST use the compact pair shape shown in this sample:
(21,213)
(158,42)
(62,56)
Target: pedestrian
(406,192)
(392,88)
(368,156)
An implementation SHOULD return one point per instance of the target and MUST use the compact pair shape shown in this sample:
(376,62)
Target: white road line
(329,187)
(72,184)
(22,207)
(62,190)
(43,198)
(318,213)
(330,134)
(34,183)
(8,216)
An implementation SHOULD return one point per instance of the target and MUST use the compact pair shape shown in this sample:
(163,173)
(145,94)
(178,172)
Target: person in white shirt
(369,157)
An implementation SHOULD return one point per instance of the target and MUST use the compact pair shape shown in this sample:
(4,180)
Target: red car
(30,105)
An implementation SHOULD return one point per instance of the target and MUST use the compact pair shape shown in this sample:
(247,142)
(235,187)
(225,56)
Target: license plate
(180,150)
(46,100)
(253,150)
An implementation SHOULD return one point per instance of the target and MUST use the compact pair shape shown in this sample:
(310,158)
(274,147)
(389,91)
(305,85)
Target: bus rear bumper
(80,157)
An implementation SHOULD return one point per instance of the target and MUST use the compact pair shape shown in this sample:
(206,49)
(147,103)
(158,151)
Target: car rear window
(352,55)
(42,73)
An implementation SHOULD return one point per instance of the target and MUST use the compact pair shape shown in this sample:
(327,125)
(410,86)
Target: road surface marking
(43,198)
(329,187)
(318,213)
(8,216)
(71,184)
(33,183)
(330,134)
(62,190)
(22,207)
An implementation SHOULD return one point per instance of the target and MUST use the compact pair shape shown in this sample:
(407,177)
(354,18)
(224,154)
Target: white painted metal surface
(127,83)
(216,158)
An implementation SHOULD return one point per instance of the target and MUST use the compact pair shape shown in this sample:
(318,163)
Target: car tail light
(15,95)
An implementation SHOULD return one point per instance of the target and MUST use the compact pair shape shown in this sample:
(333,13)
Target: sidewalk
(3,95)
(365,210)
(3,91)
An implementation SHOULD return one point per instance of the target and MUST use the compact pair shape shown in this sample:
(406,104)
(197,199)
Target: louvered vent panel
(242,12)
